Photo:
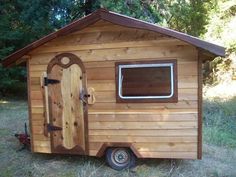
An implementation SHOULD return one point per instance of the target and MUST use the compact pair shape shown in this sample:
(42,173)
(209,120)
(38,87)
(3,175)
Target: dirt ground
(216,162)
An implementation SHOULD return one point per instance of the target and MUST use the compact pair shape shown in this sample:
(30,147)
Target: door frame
(57,60)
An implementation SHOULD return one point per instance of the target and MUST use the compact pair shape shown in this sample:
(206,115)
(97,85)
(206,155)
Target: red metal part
(24,139)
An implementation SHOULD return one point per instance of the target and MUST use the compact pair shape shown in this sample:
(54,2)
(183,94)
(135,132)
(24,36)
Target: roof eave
(125,21)
(116,19)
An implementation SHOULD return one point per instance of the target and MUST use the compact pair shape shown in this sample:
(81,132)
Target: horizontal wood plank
(110,104)
(37,110)
(140,139)
(37,103)
(40,110)
(107,64)
(42,143)
(156,147)
(184,69)
(42,149)
(165,117)
(152,111)
(142,125)
(166,147)
(110,45)
(171,155)
(41,137)
(37,129)
(106,94)
(36,95)
(37,122)
(101,37)
(179,52)
(38,116)
(144,133)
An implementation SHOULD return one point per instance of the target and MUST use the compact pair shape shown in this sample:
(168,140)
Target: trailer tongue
(24,139)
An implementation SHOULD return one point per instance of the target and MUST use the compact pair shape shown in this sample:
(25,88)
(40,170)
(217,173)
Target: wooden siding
(158,130)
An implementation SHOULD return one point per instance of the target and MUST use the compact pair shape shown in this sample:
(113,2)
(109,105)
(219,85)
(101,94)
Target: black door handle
(87,95)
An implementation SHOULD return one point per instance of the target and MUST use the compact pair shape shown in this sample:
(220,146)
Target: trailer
(108,84)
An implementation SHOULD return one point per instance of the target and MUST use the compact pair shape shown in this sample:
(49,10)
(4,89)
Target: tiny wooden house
(108,83)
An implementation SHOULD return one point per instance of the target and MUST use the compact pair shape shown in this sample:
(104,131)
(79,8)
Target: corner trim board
(29,106)
(199,149)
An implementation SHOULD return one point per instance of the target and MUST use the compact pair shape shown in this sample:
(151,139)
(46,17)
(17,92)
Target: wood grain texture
(107,64)
(158,130)
(142,139)
(145,132)
(161,155)
(30,106)
(42,149)
(55,106)
(171,155)
(142,125)
(129,53)
(157,147)
(158,117)
(66,107)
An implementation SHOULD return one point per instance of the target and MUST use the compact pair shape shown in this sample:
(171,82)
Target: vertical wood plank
(29,105)
(55,105)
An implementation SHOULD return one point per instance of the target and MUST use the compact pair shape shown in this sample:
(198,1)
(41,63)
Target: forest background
(24,21)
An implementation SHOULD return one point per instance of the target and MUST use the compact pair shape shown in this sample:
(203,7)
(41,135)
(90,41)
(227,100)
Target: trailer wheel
(120,158)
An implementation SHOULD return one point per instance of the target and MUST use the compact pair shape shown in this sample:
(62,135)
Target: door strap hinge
(53,128)
(50,81)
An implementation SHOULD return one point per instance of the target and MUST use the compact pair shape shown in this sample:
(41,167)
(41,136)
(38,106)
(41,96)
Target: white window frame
(171,65)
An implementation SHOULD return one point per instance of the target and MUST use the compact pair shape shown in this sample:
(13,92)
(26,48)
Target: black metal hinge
(53,128)
(50,81)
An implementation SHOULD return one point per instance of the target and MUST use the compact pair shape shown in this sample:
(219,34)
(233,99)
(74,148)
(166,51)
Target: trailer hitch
(24,139)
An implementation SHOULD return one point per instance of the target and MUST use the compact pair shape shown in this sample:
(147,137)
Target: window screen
(146,81)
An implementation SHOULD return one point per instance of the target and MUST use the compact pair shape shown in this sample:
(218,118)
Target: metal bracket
(53,128)
(50,81)
(87,95)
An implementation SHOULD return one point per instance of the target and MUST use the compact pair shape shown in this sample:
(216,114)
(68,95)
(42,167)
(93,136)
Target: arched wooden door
(66,83)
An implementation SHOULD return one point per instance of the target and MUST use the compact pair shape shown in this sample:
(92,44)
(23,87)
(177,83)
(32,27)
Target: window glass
(146,81)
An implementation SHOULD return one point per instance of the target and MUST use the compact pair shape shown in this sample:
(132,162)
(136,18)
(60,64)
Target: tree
(222,31)
(24,21)
(21,22)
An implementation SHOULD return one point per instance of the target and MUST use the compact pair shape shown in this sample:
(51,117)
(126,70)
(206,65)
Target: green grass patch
(219,118)
(4,132)
(219,137)
(7,172)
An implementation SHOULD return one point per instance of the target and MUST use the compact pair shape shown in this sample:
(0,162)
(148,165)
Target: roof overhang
(103,14)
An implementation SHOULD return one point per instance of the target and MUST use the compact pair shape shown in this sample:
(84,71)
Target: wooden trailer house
(114,85)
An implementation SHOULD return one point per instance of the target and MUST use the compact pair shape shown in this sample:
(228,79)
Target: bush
(13,82)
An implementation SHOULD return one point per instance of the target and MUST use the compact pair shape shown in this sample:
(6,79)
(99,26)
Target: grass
(220,122)
(219,150)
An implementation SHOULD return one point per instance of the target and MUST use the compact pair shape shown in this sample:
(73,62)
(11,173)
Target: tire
(120,158)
